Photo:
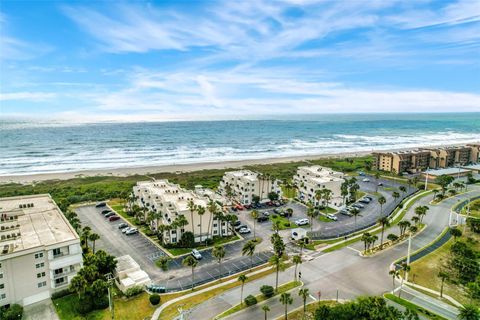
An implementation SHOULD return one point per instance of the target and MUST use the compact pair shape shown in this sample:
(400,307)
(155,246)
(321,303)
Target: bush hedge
(154,299)
(267,291)
(250,300)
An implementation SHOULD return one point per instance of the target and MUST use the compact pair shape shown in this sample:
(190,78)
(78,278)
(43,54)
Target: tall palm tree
(395,274)
(93,237)
(311,215)
(355,213)
(318,196)
(443,275)
(249,250)
(218,215)
(403,190)
(377,176)
(365,238)
(192,208)
(405,268)
(213,209)
(395,195)
(219,253)
(86,231)
(289,213)
(254,215)
(163,263)
(304,293)
(201,212)
(327,196)
(265,309)
(383,221)
(297,259)
(403,225)
(242,278)
(286,299)
(180,221)
(191,262)
(276,262)
(79,285)
(381,201)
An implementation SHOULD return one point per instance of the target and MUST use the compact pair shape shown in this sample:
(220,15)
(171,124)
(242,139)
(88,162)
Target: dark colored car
(106,211)
(262,218)
(122,225)
(237,223)
(240,227)
(113,218)
(100,204)
(108,215)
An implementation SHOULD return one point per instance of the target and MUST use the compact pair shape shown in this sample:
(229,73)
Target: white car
(366,180)
(196,254)
(245,230)
(131,231)
(332,217)
(302,222)
(124,230)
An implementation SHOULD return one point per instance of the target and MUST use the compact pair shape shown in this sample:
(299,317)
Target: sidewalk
(436,306)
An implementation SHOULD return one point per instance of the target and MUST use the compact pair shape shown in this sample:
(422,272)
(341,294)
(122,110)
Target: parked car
(233,209)
(196,254)
(108,215)
(125,230)
(113,218)
(277,203)
(262,218)
(237,228)
(368,198)
(345,212)
(358,205)
(100,204)
(269,203)
(237,223)
(245,230)
(247,206)
(364,200)
(131,231)
(302,222)
(361,173)
(332,217)
(122,225)
(276,210)
(266,213)
(106,211)
(380,184)
(366,180)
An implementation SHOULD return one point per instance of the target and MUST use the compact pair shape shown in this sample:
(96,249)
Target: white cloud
(27,96)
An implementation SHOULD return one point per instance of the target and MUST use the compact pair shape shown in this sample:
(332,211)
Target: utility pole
(468,214)
(426,179)
(110,279)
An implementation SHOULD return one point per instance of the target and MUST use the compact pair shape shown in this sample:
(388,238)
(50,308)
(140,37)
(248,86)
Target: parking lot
(145,253)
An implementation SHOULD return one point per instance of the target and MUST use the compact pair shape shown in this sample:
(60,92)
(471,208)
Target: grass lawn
(409,305)
(310,310)
(119,206)
(426,270)
(260,297)
(474,209)
(328,210)
(284,222)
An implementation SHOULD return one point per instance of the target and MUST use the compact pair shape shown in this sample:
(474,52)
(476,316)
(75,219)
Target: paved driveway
(40,311)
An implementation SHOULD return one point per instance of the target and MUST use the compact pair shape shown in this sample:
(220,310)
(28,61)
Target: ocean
(28,147)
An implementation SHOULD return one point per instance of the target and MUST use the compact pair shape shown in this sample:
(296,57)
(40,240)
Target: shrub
(187,240)
(14,312)
(274,216)
(154,299)
(133,291)
(250,300)
(101,302)
(85,305)
(267,291)
(61,294)
(287,224)
(149,233)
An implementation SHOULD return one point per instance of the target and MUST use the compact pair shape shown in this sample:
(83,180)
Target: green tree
(191,262)
(242,278)
(395,195)
(355,213)
(286,299)
(444,181)
(304,293)
(395,274)
(297,259)
(456,233)
(469,312)
(443,275)
(277,263)
(192,208)
(219,253)
(383,222)
(93,237)
(403,226)
(381,201)
(254,215)
(163,263)
(265,309)
(201,212)
(405,268)
(249,250)
(79,285)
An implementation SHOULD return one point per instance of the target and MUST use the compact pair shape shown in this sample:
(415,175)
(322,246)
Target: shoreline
(190,167)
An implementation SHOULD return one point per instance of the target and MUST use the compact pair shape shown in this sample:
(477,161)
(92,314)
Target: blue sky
(154,60)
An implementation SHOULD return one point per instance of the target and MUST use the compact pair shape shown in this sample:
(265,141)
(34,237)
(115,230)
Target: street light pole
(426,179)
(408,253)
(110,278)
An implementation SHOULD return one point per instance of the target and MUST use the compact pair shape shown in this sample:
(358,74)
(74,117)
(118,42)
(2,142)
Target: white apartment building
(40,251)
(171,201)
(309,179)
(244,184)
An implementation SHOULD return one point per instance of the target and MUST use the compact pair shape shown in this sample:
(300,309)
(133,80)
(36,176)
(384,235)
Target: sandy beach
(122,172)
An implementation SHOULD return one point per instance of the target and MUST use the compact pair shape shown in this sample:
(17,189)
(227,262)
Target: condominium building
(244,185)
(40,251)
(419,160)
(310,179)
(170,201)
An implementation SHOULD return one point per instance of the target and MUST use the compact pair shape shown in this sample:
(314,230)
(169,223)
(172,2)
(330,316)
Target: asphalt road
(343,270)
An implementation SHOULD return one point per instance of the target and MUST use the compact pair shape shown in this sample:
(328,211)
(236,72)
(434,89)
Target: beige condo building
(40,251)
(170,201)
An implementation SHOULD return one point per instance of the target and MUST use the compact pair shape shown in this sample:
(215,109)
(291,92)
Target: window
(56,251)
(1,275)
(58,271)
(41,274)
(40,265)
(60,280)
(3,296)
(38,255)
(2,286)
(42,284)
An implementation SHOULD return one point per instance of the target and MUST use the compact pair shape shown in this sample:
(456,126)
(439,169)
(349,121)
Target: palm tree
(180,221)
(383,221)
(443,276)
(200,212)
(289,213)
(192,207)
(469,312)
(304,293)
(327,196)
(311,215)
(415,220)
(212,208)
(85,234)
(403,225)
(191,262)
(366,239)
(373,239)
(286,299)
(277,262)
(93,237)
(254,216)
(355,213)
(395,274)
(79,285)
(249,250)
(219,253)
(265,309)
(297,259)
(403,190)
(318,196)
(382,201)
(163,263)
(377,176)
(242,278)
(415,181)
(276,226)
(218,215)
(405,268)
